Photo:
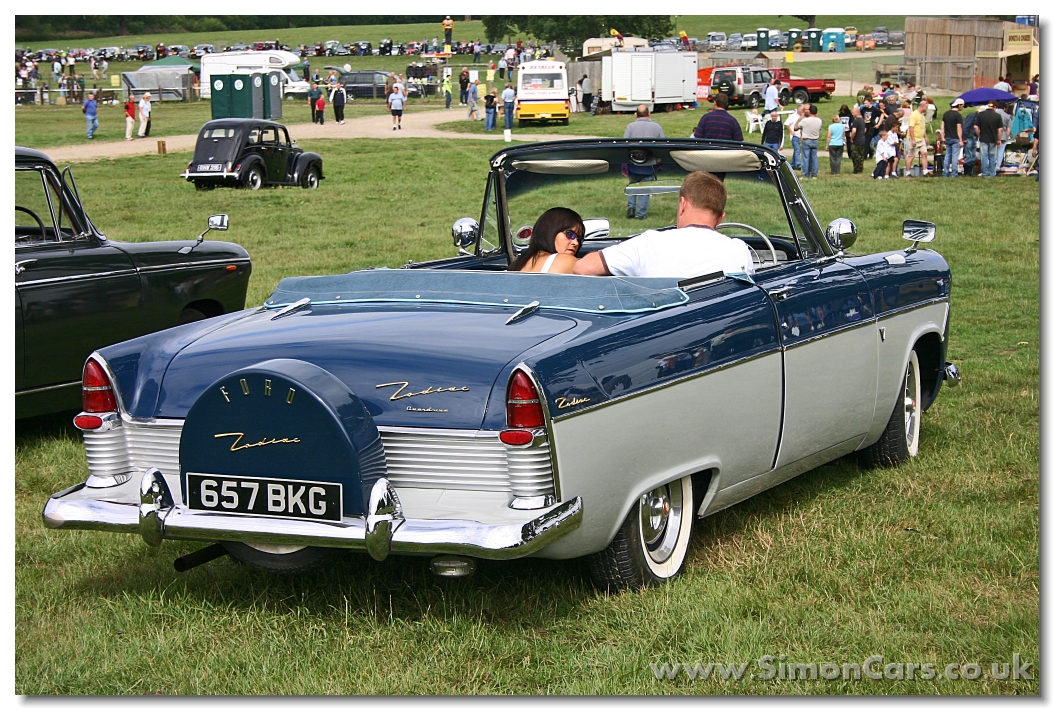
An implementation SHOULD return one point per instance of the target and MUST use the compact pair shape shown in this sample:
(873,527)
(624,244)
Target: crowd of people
(33,85)
(900,129)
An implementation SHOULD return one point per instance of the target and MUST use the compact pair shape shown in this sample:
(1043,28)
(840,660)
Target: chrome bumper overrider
(383,530)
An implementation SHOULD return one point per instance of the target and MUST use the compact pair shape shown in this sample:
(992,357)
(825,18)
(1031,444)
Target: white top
(678,253)
(144,107)
(587,85)
(772,95)
(548,263)
(508,95)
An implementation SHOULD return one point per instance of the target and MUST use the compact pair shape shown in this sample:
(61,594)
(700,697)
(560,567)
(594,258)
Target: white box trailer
(224,63)
(629,79)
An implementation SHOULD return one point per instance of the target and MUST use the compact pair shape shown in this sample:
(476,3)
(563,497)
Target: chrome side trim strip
(667,383)
(194,264)
(76,383)
(81,277)
(913,306)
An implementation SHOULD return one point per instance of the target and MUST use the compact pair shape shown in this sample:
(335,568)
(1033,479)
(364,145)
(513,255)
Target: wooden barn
(966,53)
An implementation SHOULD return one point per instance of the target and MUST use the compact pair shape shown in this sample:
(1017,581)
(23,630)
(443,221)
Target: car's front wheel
(254,179)
(900,440)
(282,559)
(652,544)
(310,179)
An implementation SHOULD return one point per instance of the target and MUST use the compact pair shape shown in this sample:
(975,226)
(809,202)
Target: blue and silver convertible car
(459,410)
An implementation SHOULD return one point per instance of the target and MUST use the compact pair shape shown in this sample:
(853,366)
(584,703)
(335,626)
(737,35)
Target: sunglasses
(570,235)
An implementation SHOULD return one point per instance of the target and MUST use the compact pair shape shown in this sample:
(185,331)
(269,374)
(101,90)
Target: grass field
(936,562)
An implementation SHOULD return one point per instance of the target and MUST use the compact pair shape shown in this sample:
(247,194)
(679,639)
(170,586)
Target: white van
(249,63)
(541,93)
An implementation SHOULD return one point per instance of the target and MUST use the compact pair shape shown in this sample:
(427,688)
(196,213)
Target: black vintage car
(77,291)
(251,153)
(369,83)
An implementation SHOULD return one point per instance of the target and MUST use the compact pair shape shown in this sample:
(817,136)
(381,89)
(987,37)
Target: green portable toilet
(272,96)
(793,37)
(256,87)
(813,37)
(763,39)
(221,96)
(241,96)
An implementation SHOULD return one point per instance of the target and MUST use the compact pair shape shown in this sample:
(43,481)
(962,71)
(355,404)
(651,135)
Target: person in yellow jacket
(448,90)
(448,30)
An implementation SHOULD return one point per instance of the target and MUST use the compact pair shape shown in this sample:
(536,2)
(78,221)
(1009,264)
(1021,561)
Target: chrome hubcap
(910,405)
(660,521)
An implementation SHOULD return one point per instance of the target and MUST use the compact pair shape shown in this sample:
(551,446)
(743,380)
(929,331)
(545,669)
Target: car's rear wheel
(254,179)
(900,440)
(652,544)
(753,101)
(282,559)
(801,96)
(310,179)
(190,315)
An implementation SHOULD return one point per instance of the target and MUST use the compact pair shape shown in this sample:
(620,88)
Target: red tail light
(523,409)
(96,390)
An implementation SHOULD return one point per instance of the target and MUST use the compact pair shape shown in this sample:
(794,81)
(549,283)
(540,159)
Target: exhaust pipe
(453,566)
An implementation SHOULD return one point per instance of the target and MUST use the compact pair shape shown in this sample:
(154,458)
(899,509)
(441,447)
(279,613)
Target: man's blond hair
(704,192)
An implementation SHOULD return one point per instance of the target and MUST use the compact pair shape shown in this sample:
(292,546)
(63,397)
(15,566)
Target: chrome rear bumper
(383,530)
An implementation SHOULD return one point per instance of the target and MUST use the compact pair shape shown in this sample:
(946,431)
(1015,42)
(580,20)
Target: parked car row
(720,41)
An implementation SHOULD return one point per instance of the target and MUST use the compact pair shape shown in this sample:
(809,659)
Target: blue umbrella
(977,97)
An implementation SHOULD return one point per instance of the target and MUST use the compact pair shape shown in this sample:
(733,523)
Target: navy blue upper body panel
(402,360)
(894,284)
(447,364)
(724,321)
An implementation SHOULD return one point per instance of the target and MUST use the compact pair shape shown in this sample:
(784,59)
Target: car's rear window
(218,133)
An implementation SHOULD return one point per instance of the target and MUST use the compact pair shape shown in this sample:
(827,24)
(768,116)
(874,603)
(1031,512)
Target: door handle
(781,293)
(20,266)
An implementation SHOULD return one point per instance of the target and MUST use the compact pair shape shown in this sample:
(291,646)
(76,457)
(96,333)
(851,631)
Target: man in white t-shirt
(695,248)
(772,95)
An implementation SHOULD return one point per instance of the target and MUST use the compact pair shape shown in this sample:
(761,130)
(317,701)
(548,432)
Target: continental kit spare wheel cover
(282,420)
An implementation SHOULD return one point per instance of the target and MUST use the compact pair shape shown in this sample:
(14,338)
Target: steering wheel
(33,214)
(755,230)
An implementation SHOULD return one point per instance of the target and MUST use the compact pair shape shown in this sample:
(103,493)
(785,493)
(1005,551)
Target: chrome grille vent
(134,448)
(416,458)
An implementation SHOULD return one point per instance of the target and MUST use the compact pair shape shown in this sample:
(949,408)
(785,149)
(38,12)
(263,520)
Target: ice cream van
(541,93)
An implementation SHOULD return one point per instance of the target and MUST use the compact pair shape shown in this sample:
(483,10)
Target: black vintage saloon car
(251,153)
(77,291)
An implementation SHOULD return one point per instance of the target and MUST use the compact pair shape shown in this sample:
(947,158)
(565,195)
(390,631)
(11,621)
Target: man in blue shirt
(508,98)
(91,114)
(642,127)
(719,123)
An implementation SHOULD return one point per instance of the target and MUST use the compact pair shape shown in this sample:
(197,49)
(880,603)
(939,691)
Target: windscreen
(597,189)
(547,81)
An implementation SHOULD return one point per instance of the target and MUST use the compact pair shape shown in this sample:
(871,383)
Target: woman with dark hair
(554,243)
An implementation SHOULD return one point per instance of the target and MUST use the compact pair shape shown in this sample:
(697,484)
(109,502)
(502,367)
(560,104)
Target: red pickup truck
(803,90)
